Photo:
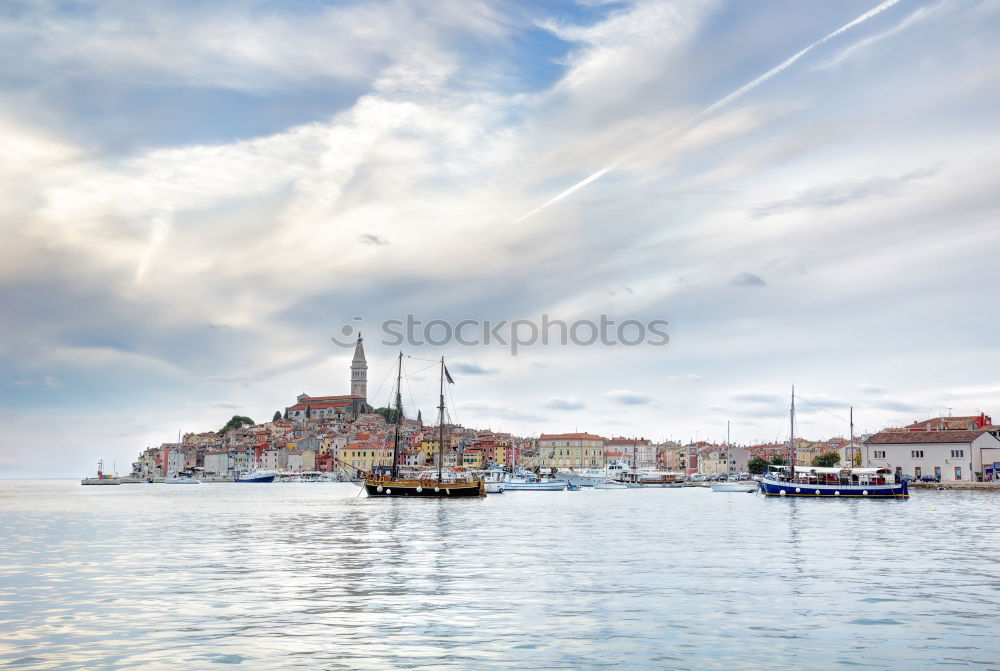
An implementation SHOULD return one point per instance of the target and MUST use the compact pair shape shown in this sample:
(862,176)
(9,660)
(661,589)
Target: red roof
(569,436)
(911,438)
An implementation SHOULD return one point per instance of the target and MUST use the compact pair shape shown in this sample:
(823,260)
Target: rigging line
(425,368)
(416,358)
(822,409)
(382,384)
(409,390)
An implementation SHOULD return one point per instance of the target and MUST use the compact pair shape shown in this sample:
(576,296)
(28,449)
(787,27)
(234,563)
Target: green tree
(828,460)
(388,413)
(757,465)
(777,460)
(277,416)
(237,422)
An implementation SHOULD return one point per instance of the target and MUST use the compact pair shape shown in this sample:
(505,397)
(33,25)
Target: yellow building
(571,450)
(365,456)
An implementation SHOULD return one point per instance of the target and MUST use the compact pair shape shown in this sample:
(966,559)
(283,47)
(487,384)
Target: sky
(197,196)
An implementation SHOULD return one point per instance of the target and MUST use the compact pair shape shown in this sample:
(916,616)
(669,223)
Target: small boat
(255,476)
(573,488)
(745,486)
(535,484)
(610,484)
(102,477)
(495,487)
(181,479)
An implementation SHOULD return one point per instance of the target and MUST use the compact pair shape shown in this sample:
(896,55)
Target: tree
(388,413)
(828,460)
(757,465)
(777,460)
(277,416)
(237,422)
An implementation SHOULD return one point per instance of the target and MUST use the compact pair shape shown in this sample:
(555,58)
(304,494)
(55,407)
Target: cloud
(831,196)
(567,403)
(895,405)
(50,381)
(470,368)
(628,397)
(688,377)
(488,411)
(747,280)
(225,405)
(757,397)
(869,388)
(372,239)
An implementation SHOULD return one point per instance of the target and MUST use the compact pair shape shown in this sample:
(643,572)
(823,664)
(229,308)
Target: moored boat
(181,480)
(830,482)
(388,481)
(745,486)
(255,476)
(610,484)
(531,483)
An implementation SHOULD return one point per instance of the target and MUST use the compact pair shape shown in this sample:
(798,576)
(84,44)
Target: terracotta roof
(908,438)
(569,436)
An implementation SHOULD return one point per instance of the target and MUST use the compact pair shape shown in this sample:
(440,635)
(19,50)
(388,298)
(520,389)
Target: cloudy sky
(197,196)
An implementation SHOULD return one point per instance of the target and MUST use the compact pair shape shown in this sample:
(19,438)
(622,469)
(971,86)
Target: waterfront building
(720,459)
(951,456)
(571,450)
(640,451)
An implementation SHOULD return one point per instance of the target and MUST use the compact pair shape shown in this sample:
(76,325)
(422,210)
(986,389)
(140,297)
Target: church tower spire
(359,371)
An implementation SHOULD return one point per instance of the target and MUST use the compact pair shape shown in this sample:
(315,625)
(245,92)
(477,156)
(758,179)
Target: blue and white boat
(813,481)
(832,482)
(255,476)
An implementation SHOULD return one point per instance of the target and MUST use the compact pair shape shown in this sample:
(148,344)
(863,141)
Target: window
(878,454)
(916,472)
(916,454)
(957,454)
(958,472)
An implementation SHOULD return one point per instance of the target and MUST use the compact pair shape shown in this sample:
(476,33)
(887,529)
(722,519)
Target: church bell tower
(359,372)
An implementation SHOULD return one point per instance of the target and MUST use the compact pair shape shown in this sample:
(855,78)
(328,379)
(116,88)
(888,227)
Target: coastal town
(343,435)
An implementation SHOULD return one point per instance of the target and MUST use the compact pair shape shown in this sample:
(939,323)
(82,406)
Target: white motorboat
(591,477)
(610,484)
(746,486)
(179,479)
(495,487)
(534,483)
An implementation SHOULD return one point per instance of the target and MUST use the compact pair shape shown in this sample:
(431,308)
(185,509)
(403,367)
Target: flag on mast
(447,376)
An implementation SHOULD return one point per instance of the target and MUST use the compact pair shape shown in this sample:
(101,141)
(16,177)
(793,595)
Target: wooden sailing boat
(390,482)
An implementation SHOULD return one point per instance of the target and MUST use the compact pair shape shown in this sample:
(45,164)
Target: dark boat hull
(426,490)
(805,490)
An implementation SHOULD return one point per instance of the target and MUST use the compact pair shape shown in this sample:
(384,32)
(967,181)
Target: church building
(348,406)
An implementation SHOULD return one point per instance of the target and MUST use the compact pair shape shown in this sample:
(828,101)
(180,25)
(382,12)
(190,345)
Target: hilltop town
(344,433)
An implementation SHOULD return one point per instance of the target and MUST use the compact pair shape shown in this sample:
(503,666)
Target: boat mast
(852,437)
(394,470)
(441,424)
(791,440)
(729,449)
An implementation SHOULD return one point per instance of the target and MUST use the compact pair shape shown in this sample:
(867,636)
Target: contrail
(721,102)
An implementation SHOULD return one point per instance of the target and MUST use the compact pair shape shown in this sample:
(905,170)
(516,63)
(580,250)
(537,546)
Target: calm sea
(311,576)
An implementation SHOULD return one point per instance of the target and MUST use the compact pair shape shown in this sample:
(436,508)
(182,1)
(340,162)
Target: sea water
(311,575)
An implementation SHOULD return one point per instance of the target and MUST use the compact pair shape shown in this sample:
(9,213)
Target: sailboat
(392,483)
(832,482)
(746,487)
